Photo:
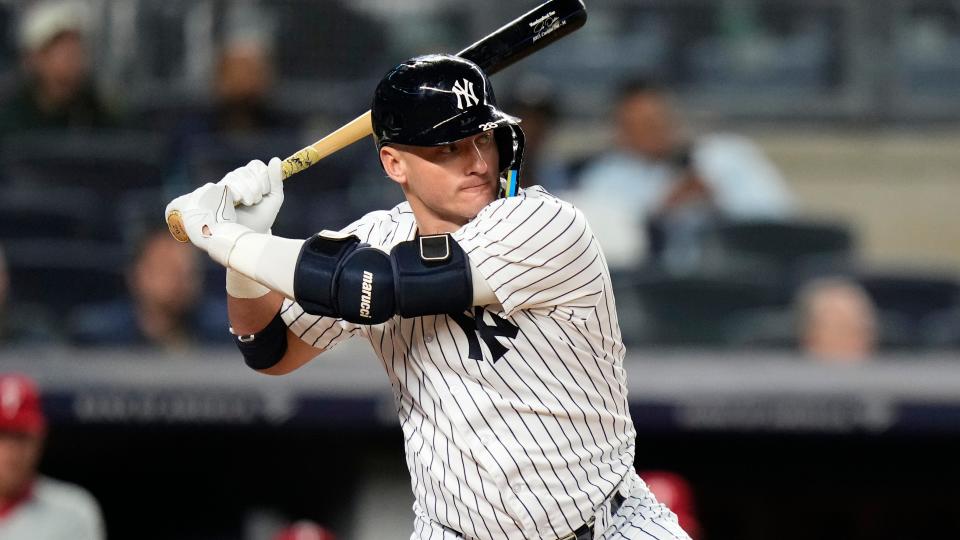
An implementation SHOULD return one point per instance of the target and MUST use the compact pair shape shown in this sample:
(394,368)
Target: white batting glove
(210,220)
(259,189)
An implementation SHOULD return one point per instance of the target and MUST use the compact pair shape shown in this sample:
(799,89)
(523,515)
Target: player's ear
(393,163)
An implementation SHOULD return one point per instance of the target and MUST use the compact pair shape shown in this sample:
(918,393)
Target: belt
(585,532)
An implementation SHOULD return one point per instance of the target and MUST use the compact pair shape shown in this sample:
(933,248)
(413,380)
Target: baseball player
(489,306)
(34,506)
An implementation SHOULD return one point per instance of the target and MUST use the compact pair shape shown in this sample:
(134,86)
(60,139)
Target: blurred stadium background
(855,101)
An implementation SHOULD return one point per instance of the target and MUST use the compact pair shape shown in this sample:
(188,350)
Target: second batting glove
(258,187)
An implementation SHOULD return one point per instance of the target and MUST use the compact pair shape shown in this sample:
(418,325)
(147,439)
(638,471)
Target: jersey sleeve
(322,333)
(536,251)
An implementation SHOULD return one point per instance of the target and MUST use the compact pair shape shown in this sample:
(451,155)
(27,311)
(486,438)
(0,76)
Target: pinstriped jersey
(514,415)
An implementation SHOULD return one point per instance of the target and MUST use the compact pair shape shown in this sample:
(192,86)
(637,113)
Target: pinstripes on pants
(640,517)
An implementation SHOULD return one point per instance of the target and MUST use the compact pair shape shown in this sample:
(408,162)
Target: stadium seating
(697,310)
(48,213)
(913,301)
(790,251)
(108,162)
(63,273)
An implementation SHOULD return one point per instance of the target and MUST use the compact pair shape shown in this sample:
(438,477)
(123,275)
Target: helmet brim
(471,121)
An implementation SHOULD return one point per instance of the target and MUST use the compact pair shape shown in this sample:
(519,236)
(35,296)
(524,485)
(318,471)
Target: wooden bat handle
(350,133)
(530,32)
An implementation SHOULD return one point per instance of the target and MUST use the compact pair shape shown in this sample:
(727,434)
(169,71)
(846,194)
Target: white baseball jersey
(54,511)
(514,416)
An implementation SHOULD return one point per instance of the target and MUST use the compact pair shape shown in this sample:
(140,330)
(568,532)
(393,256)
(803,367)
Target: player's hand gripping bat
(525,35)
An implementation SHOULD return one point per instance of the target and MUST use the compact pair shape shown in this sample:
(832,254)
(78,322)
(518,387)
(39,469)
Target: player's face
(448,185)
(19,454)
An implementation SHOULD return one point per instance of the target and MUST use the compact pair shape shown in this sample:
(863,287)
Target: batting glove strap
(223,239)
(265,348)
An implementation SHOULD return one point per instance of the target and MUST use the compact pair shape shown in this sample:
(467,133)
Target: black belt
(585,532)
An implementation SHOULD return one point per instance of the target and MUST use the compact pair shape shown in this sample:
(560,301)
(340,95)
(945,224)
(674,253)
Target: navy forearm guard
(342,277)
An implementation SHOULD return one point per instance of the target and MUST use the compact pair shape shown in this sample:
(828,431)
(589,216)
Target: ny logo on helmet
(465,95)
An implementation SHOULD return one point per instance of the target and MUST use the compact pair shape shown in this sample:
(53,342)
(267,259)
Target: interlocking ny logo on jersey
(465,95)
(474,326)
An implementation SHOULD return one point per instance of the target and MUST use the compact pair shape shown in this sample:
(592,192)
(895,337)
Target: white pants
(640,517)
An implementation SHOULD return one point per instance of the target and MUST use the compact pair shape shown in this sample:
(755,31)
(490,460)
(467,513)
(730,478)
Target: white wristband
(240,286)
(223,239)
(272,260)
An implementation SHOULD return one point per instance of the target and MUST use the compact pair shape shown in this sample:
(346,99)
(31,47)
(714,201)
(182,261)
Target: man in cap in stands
(32,506)
(56,91)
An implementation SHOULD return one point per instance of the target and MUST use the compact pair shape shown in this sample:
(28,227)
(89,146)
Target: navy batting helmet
(437,99)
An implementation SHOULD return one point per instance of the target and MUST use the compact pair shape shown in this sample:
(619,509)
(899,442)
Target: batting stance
(489,306)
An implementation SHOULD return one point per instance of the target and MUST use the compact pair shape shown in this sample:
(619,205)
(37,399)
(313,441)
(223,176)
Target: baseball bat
(513,41)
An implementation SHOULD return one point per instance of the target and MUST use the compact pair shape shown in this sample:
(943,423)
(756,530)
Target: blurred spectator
(240,119)
(56,90)
(30,325)
(534,102)
(305,530)
(244,79)
(165,307)
(837,321)
(242,84)
(675,491)
(32,506)
(659,181)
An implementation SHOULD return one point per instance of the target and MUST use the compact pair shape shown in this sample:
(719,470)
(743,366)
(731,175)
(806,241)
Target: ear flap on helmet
(510,145)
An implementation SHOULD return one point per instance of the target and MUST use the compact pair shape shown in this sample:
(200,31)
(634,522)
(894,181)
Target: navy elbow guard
(342,277)
(265,348)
